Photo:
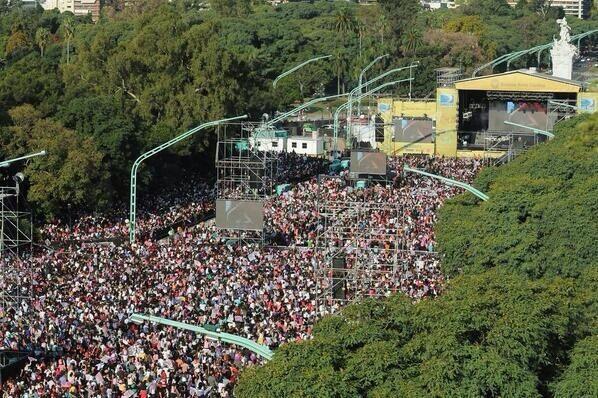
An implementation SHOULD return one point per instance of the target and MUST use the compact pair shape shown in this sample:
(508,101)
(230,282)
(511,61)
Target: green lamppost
(6,163)
(377,78)
(449,181)
(535,130)
(152,152)
(301,65)
(362,74)
(259,349)
(348,103)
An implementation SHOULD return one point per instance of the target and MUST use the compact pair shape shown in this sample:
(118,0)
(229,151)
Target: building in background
(438,4)
(77,7)
(85,7)
(578,8)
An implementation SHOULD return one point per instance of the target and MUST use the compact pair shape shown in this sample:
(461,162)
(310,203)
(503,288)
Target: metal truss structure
(560,110)
(446,77)
(511,143)
(359,243)
(16,231)
(243,172)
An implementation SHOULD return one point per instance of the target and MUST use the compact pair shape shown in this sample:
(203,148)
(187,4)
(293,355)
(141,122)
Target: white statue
(565,30)
(563,51)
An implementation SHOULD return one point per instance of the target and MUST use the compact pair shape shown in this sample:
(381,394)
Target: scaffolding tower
(243,171)
(16,231)
(511,143)
(559,110)
(358,243)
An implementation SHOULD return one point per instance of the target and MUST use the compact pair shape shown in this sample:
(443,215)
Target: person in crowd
(84,293)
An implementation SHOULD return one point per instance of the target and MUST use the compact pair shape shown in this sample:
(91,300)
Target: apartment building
(84,7)
(77,7)
(577,8)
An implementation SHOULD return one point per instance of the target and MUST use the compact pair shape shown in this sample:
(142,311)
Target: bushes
(518,318)
(541,219)
(492,334)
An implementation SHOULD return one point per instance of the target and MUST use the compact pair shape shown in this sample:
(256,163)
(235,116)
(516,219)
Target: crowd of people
(180,204)
(84,293)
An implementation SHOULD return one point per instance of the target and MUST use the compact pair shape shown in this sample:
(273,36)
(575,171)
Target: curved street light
(152,152)
(348,103)
(535,130)
(449,181)
(301,65)
(6,163)
(261,350)
(379,77)
(361,75)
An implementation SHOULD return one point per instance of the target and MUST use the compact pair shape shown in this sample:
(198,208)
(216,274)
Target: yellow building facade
(465,119)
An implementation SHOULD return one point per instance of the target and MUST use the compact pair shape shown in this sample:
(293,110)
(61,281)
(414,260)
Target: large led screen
(531,114)
(413,130)
(363,162)
(247,215)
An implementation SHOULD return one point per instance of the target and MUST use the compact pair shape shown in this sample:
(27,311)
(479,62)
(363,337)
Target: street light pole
(152,152)
(382,76)
(348,103)
(301,65)
(6,163)
(299,108)
(261,350)
(535,130)
(362,74)
(449,181)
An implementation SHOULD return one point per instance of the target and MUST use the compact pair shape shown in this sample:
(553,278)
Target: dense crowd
(83,294)
(178,205)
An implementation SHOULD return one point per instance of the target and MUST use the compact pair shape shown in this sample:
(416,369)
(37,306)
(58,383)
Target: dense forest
(95,96)
(518,318)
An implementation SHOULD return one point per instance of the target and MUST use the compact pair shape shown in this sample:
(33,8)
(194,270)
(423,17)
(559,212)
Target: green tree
(102,119)
(340,62)
(18,41)
(580,378)
(539,221)
(492,334)
(344,21)
(229,8)
(403,14)
(42,38)
(68,30)
(412,41)
(70,173)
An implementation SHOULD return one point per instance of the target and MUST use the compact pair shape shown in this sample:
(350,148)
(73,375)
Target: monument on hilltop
(562,52)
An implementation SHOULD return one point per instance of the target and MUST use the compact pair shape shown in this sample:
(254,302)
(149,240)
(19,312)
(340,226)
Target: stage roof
(520,80)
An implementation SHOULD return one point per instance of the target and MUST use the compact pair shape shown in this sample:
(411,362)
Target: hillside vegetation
(518,318)
(109,91)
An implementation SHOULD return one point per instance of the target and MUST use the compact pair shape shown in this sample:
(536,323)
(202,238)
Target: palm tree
(382,27)
(340,67)
(361,30)
(42,37)
(344,21)
(412,41)
(68,27)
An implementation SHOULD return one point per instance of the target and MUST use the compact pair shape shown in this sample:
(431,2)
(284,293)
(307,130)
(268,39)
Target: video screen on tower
(413,130)
(363,162)
(247,215)
(527,113)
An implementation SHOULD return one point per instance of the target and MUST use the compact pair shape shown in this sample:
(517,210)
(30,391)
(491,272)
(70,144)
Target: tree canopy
(154,69)
(518,319)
